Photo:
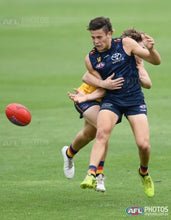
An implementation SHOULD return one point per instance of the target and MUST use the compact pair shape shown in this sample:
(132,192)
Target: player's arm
(149,53)
(81,97)
(143,75)
(92,80)
(92,77)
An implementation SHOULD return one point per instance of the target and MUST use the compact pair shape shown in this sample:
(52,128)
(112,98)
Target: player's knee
(102,135)
(144,145)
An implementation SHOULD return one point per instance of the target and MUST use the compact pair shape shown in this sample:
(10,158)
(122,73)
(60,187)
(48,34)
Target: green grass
(42,48)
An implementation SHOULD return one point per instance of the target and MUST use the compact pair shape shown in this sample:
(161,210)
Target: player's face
(101,40)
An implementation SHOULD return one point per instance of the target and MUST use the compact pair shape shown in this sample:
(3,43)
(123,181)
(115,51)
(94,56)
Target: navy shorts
(126,111)
(82,107)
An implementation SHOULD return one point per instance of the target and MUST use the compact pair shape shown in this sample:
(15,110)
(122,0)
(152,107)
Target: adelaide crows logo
(116,57)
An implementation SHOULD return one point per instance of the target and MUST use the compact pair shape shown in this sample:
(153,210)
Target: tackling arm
(143,75)
(93,78)
(81,97)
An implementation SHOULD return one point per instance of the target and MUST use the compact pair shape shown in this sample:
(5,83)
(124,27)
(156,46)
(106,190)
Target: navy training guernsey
(115,60)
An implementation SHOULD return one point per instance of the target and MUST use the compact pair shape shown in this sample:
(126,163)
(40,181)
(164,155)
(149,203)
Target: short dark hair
(132,33)
(100,23)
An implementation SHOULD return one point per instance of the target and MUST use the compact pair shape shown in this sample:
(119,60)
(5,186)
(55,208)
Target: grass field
(42,48)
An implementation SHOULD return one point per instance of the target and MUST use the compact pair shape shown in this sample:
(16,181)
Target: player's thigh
(140,127)
(90,115)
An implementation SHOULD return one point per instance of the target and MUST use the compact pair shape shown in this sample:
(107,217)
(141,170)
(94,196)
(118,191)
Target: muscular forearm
(92,80)
(154,57)
(108,83)
(149,43)
(98,93)
(145,82)
(81,97)
(92,77)
(143,74)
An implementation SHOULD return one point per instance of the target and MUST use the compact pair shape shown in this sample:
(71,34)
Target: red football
(18,114)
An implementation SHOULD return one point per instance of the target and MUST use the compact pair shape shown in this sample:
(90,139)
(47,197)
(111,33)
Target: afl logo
(100,65)
(135,210)
(116,57)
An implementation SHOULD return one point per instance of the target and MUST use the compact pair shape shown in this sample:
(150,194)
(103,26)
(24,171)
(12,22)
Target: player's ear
(143,36)
(110,33)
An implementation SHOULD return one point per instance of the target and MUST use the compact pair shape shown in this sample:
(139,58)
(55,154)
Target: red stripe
(100,168)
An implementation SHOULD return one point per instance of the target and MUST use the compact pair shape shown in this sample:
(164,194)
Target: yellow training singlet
(87,89)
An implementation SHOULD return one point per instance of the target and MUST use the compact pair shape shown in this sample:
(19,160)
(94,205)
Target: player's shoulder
(128,40)
(93,54)
(87,58)
(93,51)
(117,40)
(129,44)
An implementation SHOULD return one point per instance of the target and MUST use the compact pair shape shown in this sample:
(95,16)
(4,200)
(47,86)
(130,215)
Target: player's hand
(113,84)
(78,97)
(147,41)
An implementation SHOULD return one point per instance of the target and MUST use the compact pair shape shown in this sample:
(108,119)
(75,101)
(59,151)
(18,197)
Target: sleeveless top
(115,60)
(87,89)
